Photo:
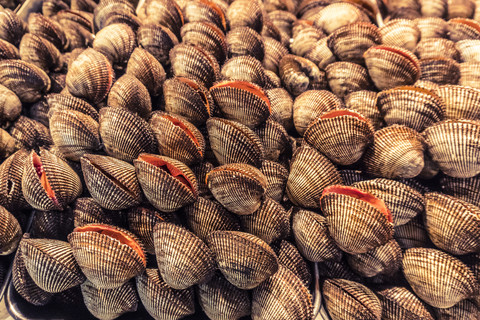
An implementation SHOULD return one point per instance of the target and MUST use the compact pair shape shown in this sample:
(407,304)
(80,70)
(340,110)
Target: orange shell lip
(247,86)
(400,52)
(180,124)
(116,234)
(467,22)
(361,195)
(37,163)
(342,112)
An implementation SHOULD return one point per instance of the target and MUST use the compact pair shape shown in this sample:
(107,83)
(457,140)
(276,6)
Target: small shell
(277,176)
(281,104)
(274,52)
(30,134)
(469,74)
(464,189)
(158,40)
(412,234)
(400,33)
(432,27)
(111,182)
(434,8)
(299,74)
(442,71)
(40,52)
(59,102)
(468,50)
(87,210)
(244,68)
(436,48)
(10,105)
(107,8)
(245,13)
(245,260)
(10,232)
(400,303)
(116,42)
(275,140)
(460,102)
(108,256)
(336,15)
(365,102)
(11,172)
(205,11)
(347,77)
(304,37)
(243,41)
(206,35)
(147,69)
(463,29)
(128,92)
(183,259)
(12,27)
(438,278)
(168,184)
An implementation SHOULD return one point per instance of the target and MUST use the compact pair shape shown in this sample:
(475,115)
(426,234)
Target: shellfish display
(241,159)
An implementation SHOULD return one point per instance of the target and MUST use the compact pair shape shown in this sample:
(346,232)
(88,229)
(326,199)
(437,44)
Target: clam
(200,170)
(460,102)
(168,184)
(108,256)
(272,79)
(283,20)
(40,52)
(147,69)
(401,33)
(438,278)
(332,269)
(245,260)
(290,258)
(116,42)
(275,140)
(205,11)
(52,224)
(468,74)
(436,48)
(111,182)
(52,7)
(245,13)
(468,50)
(321,54)
(155,294)
(412,234)
(277,176)
(244,68)
(57,101)
(281,105)
(238,187)
(310,173)
(465,309)
(48,182)
(128,92)
(432,27)
(244,41)
(401,303)
(299,74)
(30,134)
(443,71)
(11,172)
(108,8)
(460,159)
(87,210)
(463,29)
(8,50)
(304,37)
(336,15)
(464,189)
(369,221)
(12,27)
(282,296)
(8,144)
(351,176)
(158,40)
(347,77)
(206,35)
(10,232)
(241,101)
(164,12)
(460,9)
(341,135)
(365,102)
(274,52)
(183,259)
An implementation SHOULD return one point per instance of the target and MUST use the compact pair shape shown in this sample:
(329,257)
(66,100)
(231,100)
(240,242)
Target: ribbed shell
(336,15)
(463,29)
(272,79)
(441,71)
(87,210)
(311,104)
(244,259)
(109,304)
(244,13)
(51,264)
(281,104)
(105,261)
(90,76)
(111,182)
(30,133)
(356,225)
(128,92)
(183,259)
(275,140)
(403,201)
(74,133)
(312,237)
(168,184)
(277,176)
(468,50)
(396,152)
(40,52)
(244,68)
(283,296)
(413,107)
(460,102)
(320,54)
(164,12)
(146,68)
(452,224)
(438,278)
(8,50)
(465,309)
(454,146)
(401,33)
(205,216)
(400,303)
(12,27)
(177,138)
(124,134)
(244,41)
(365,102)
(238,187)
(11,172)
(310,173)
(58,101)
(465,189)
(390,66)
(161,301)
(52,224)
(10,232)
(299,74)
(200,170)
(290,258)
(437,48)
(207,36)
(105,9)
(350,300)
(351,176)
(469,74)
(412,234)
(274,52)
(63,180)
(341,135)
(25,79)
(220,300)
(241,101)
(47,28)
(347,77)
(117,42)
(157,40)
(431,27)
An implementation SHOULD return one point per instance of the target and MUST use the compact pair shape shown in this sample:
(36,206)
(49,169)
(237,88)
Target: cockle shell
(207,36)
(432,27)
(465,309)
(116,42)
(460,102)
(8,50)
(277,176)
(205,11)
(281,104)
(244,68)
(164,12)
(30,134)
(321,54)
(275,140)
(400,303)
(244,41)
(465,189)
(436,48)
(12,27)
(445,71)
(87,210)
(402,33)
(365,102)
(336,15)
(412,234)
(158,40)
(274,52)
(105,8)
(11,173)
(40,52)
(10,232)
(244,13)
(289,257)
(468,50)
(299,74)
(200,170)
(347,77)
(463,29)
(58,102)
(52,224)
(146,68)
(128,92)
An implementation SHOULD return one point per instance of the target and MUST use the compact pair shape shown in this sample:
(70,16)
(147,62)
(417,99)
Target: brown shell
(458,159)
(238,187)
(146,68)
(116,42)
(183,259)
(158,40)
(463,29)
(244,68)
(460,102)
(351,176)
(396,152)
(128,92)
(401,303)
(299,74)
(51,7)
(277,176)
(468,50)
(162,301)
(290,258)
(244,41)
(52,224)
(365,102)
(469,74)
(432,27)
(245,13)
(464,189)
(281,104)
(12,27)
(313,238)
(282,296)
(347,299)
(452,224)
(320,54)
(412,234)
(104,9)
(275,140)
(108,256)
(437,277)
(10,232)
(200,170)
(40,52)
(332,269)
(109,303)
(124,134)
(8,50)
(437,48)
(206,35)
(274,52)
(391,66)
(465,309)
(341,135)
(241,101)
(58,101)
(168,184)
(336,15)
(402,33)
(368,219)
(347,77)
(244,260)
(30,133)
(51,264)
(87,210)
(413,107)
(48,182)
(177,138)
(442,71)
(11,173)
(164,12)
(310,173)
(304,37)
(111,182)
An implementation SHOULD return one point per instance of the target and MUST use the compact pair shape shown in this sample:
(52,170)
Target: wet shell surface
(277,176)
(244,41)
(158,40)
(116,42)
(400,303)
(347,77)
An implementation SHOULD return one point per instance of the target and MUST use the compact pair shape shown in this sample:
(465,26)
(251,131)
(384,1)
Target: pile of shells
(284,159)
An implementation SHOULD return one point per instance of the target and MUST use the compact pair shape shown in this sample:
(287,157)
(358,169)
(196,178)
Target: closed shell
(465,309)
(244,13)
(205,11)
(87,210)
(436,48)
(244,41)
(11,172)
(8,50)
(432,27)
(465,189)
(365,102)
(442,71)
(460,102)
(128,92)
(57,101)
(158,40)
(299,74)
(47,28)
(207,36)
(116,42)
(274,52)
(347,77)
(336,15)
(277,176)
(412,234)
(463,29)
(244,68)
(146,68)
(40,52)
(30,134)
(275,140)
(289,257)
(12,27)
(402,33)
(401,303)
(10,232)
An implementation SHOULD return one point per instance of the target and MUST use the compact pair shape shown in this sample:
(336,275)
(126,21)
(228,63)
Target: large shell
(336,15)
(116,42)
(400,303)
(245,13)
(108,256)
(341,135)
(244,68)
(310,173)
(128,92)
(244,260)
(48,182)
(460,102)
(11,173)
(40,52)
(299,74)
(146,68)
(465,189)
(183,259)
(438,278)
(158,40)
(161,300)
(10,232)
(244,41)
(12,27)
(282,296)
(454,147)
(277,176)
(168,184)
(365,102)
(58,101)
(445,71)
(207,36)
(111,182)
(357,220)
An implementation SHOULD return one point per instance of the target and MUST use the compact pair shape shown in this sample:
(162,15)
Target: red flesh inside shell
(361,195)
(247,86)
(342,112)
(37,163)
(182,126)
(400,52)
